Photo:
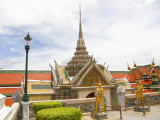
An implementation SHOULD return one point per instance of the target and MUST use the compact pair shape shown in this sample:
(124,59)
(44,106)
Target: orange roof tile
(119,75)
(39,76)
(9,90)
(11,77)
(8,102)
(137,73)
(146,81)
(130,77)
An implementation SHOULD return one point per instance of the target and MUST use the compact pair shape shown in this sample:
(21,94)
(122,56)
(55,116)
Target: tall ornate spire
(80,42)
(80,26)
(80,57)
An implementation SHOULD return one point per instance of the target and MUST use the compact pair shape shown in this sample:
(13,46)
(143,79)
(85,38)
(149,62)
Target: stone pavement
(131,115)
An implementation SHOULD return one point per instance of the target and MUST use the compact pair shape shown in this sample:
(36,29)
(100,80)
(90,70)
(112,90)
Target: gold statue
(99,96)
(139,93)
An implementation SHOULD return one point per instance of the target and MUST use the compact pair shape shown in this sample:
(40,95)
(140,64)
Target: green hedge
(44,105)
(59,113)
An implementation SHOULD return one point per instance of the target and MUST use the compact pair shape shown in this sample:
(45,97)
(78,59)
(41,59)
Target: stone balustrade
(87,104)
(4,111)
(14,113)
(153,97)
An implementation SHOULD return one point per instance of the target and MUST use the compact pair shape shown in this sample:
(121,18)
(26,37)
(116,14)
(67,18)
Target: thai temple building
(79,79)
(149,75)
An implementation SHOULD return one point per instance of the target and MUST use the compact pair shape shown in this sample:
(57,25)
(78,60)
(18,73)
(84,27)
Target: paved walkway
(131,115)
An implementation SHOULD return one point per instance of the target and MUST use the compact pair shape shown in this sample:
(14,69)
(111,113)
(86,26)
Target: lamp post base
(25,106)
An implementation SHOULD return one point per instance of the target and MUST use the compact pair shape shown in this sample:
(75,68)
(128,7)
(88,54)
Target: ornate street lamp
(27,47)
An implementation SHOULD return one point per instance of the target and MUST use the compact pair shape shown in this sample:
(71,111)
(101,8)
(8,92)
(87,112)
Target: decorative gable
(93,78)
(90,75)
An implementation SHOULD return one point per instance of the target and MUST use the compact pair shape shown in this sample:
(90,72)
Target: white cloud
(148,2)
(12,49)
(114,31)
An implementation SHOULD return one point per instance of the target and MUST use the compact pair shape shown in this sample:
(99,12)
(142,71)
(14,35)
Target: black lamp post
(27,47)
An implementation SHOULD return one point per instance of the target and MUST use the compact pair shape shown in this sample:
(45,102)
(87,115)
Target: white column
(25,106)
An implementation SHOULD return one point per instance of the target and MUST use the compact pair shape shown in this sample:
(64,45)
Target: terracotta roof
(122,74)
(9,90)
(137,73)
(145,69)
(118,75)
(11,76)
(8,102)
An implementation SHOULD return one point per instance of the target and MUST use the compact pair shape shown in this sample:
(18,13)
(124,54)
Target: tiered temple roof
(80,57)
(143,73)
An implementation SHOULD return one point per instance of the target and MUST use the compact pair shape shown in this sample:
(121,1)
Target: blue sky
(115,32)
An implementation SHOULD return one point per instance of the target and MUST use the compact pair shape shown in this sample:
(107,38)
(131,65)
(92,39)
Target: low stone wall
(15,111)
(153,97)
(87,104)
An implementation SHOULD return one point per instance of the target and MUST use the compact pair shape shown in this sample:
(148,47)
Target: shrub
(60,113)
(44,105)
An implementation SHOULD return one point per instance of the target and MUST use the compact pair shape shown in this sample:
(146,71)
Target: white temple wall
(84,92)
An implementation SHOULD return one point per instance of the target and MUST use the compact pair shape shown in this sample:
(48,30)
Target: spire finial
(80,27)
(153,62)
(134,63)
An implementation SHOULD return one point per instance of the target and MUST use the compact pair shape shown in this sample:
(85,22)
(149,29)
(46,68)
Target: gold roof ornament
(134,75)
(129,68)
(134,63)
(137,68)
(152,66)
(153,62)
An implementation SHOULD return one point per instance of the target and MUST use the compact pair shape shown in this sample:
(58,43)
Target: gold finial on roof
(153,62)
(134,63)
(128,67)
(149,72)
(80,26)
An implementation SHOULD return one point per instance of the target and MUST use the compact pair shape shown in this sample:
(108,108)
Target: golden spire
(128,67)
(152,66)
(134,75)
(137,68)
(153,62)
(134,63)
(80,26)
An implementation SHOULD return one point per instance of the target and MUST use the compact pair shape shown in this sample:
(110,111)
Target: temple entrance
(92,94)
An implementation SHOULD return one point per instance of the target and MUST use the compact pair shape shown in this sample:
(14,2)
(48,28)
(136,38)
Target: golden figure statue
(99,96)
(139,93)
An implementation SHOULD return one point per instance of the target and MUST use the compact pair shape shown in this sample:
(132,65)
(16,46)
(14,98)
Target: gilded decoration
(93,78)
(139,93)
(99,95)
